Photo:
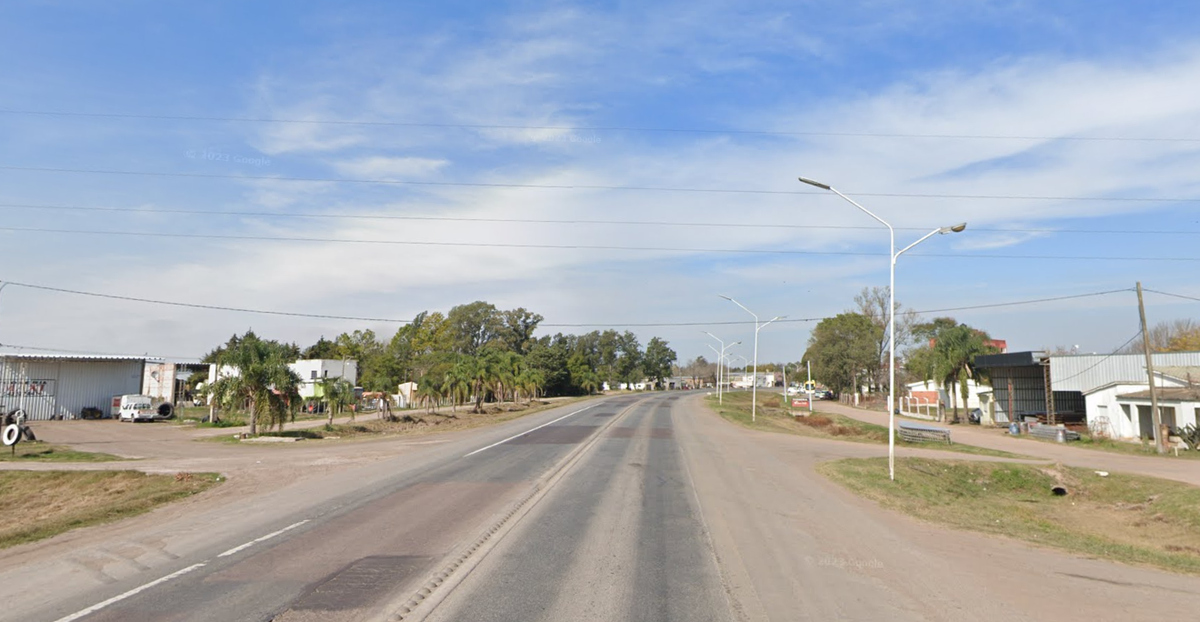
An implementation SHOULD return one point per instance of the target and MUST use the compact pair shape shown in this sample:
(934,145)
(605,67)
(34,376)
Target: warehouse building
(58,386)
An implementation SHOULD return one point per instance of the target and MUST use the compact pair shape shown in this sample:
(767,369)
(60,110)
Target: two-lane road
(640,508)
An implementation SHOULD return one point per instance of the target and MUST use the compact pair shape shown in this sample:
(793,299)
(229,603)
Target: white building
(1121,409)
(929,392)
(313,372)
(1115,389)
(60,386)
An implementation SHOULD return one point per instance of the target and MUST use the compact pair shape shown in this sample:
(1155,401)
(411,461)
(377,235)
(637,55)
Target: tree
(658,359)
(474,325)
(261,380)
(954,351)
(629,362)
(548,357)
(1174,336)
(872,302)
(322,349)
(338,394)
(842,350)
(518,328)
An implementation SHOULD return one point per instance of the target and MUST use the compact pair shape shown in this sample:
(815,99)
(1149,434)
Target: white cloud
(383,167)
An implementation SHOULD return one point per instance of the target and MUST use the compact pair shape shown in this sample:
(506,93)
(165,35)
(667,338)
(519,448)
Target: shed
(60,386)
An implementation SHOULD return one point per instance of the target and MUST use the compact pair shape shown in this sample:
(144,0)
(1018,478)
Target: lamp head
(953,229)
(818,184)
(725,297)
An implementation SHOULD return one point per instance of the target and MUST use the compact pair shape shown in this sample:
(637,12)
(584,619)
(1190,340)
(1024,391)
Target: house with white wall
(1121,409)
(314,372)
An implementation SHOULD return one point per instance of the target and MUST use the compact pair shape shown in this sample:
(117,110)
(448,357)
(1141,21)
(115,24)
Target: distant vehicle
(823,394)
(795,390)
(140,408)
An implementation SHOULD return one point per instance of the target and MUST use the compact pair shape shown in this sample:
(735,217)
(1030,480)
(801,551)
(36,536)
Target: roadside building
(61,386)
(315,372)
(167,382)
(1107,392)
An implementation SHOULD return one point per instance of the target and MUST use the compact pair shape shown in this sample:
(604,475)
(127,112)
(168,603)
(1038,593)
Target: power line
(205,306)
(1172,295)
(588,128)
(1105,358)
(212,307)
(1026,302)
(527,186)
(554,221)
(601,247)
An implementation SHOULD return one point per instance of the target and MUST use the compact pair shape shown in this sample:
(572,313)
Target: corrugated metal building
(1021,384)
(60,386)
(1085,372)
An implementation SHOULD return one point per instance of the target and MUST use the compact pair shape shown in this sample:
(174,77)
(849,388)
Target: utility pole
(1155,417)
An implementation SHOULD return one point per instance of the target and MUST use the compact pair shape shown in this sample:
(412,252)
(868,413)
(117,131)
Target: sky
(605,164)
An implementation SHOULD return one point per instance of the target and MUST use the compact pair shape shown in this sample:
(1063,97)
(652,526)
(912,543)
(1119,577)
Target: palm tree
(261,380)
(954,351)
(485,377)
(429,393)
(338,394)
(458,380)
(530,381)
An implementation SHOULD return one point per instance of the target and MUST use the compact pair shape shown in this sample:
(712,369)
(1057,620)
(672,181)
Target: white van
(139,408)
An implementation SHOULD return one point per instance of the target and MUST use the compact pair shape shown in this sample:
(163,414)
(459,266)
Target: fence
(921,408)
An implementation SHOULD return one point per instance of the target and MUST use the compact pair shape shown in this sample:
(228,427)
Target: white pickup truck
(140,408)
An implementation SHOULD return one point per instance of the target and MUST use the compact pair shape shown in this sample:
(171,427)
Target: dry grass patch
(1126,518)
(40,504)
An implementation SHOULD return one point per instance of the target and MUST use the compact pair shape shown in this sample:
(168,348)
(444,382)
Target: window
(314,375)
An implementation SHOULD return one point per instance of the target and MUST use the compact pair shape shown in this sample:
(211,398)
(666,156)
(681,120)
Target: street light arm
(764,324)
(923,238)
(742,306)
(942,230)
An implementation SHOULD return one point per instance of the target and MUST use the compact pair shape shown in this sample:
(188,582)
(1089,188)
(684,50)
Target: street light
(893,255)
(757,327)
(720,357)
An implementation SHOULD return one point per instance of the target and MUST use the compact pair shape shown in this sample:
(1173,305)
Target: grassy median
(412,422)
(40,504)
(38,451)
(771,417)
(1126,518)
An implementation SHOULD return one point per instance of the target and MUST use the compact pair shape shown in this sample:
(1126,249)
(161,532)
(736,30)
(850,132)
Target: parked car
(823,394)
(140,408)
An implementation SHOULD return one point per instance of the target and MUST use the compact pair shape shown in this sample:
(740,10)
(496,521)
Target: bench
(917,433)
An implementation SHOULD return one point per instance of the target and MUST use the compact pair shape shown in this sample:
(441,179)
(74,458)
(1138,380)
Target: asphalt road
(635,508)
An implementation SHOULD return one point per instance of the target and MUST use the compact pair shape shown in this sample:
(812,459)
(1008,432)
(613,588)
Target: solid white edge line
(528,431)
(257,540)
(99,606)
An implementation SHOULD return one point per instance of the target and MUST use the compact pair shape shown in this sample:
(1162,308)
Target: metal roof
(75,357)
(1084,372)
(1009,359)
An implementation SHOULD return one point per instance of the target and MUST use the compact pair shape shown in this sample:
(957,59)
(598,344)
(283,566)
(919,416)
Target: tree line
(473,353)
(850,350)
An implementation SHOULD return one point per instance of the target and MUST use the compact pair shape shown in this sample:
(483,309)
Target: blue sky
(928,113)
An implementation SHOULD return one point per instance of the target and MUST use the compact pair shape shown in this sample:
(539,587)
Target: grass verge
(1127,518)
(412,422)
(772,417)
(1128,448)
(40,504)
(38,451)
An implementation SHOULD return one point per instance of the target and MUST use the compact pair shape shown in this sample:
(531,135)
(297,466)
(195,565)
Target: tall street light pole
(754,382)
(720,357)
(893,255)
